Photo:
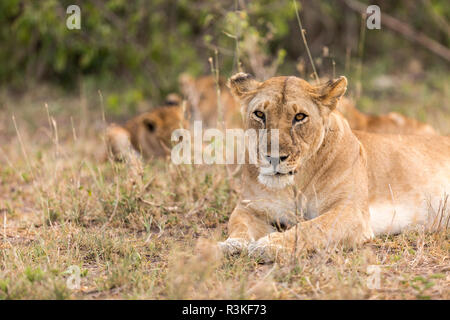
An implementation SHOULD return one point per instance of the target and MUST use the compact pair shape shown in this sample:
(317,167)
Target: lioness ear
(242,85)
(329,93)
(172,99)
(185,79)
(187,84)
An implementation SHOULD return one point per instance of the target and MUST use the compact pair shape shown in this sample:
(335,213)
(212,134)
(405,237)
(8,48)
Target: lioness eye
(300,116)
(260,114)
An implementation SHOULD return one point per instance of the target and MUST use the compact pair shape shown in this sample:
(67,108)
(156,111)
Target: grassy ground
(134,230)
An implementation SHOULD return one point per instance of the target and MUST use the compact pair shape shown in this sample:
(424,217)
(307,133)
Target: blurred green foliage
(144,45)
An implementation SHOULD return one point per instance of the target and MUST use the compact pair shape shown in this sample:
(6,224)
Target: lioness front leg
(341,224)
(244,227)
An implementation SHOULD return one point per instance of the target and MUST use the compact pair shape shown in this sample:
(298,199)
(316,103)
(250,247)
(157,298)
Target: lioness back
(409,178)
(393,122)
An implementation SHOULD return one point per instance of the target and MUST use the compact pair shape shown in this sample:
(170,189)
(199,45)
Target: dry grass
(134,230)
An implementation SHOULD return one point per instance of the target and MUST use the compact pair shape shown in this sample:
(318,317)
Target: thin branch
(302,31)
(405,30)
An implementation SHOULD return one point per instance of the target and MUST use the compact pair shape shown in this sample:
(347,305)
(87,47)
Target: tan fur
(351,185)
(393,122)
(118,141)
(202,105)
(148,133)
(201,94)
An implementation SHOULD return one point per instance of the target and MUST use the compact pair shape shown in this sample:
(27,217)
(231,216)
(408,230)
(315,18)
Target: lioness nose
(274,161)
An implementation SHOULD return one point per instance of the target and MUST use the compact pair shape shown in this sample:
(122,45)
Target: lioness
(393,122)
(148,133)
(352,185)
(201,94)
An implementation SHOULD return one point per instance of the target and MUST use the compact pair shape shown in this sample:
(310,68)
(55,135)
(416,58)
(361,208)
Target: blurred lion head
(148,133)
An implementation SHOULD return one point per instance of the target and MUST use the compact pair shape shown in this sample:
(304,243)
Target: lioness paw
(233,246)
(263,250)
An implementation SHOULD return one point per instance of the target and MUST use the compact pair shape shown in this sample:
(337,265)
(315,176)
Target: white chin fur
(276,182)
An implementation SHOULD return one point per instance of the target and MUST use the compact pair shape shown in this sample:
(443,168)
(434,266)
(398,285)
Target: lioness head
(151,132)
(201,94)
(297,109)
